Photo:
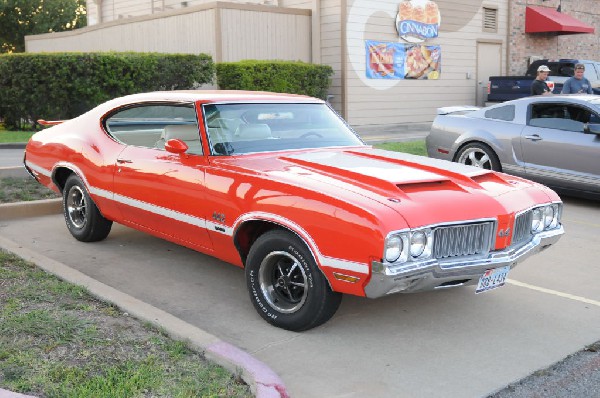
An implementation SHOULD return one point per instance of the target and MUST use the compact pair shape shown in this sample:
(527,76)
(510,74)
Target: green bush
(65,85)
(276,76)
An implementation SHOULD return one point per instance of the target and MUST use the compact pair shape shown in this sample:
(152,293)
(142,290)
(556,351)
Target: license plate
(492,279)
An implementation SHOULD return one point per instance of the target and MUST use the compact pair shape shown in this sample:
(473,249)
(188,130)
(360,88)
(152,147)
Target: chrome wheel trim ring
(76,207)
(283,282)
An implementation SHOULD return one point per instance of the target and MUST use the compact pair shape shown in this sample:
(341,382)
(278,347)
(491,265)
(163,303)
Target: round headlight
(548,216)
(418,241)
(393,248)
(537,222)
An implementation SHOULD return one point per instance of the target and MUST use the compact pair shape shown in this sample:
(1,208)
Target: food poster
(402,61)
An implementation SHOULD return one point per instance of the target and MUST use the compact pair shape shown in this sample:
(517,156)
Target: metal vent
(522,230)
(490,19)
(462,240)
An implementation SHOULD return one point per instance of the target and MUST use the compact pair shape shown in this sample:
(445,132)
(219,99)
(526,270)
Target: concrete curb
(14,171)
(263,381)
(13,145)
(35,208)
(10,394)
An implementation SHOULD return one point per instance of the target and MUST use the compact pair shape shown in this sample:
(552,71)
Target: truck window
(590,72)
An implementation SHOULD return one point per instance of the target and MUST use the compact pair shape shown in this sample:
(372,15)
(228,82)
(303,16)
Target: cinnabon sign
(418,20)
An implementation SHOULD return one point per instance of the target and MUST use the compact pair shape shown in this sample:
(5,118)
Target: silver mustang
(554,140)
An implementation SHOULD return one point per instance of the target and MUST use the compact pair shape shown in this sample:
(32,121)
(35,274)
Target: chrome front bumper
(432,274)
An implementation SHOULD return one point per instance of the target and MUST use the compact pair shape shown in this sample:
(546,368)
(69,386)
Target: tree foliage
(19,18)
(292,77)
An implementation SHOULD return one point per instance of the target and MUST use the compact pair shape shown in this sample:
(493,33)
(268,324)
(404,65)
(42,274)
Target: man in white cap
(539,86)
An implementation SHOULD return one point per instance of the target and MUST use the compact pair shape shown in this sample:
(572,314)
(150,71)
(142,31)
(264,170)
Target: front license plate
(492,279)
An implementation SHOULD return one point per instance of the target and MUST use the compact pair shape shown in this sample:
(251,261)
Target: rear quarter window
(506,113)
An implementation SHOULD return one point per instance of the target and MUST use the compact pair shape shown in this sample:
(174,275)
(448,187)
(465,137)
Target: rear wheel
(285,285)
(479,155)
(84,220)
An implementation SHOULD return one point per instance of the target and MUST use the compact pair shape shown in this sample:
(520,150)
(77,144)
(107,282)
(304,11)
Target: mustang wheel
(286,286)
(479,155)
(83,218)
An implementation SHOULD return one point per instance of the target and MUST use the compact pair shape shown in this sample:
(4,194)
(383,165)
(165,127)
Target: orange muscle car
(280,185)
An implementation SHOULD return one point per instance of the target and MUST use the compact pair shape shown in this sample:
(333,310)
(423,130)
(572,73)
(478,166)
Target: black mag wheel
(479,155)
(285,285)
(83,219)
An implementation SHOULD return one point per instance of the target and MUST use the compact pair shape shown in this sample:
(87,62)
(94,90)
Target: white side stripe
(336,263)
(38,169)
(211,226)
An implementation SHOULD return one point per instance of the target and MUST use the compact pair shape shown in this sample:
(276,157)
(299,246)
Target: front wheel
(479,155)
(84,220)
(285,285)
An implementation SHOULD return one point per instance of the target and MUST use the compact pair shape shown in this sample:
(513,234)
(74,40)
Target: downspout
(218,35)
(508,32)
(316,32)
(344,56)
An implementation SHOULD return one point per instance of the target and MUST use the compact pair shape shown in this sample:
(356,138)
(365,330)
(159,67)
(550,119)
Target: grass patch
(13,189)
(413,147)
(7,136)
(69,344)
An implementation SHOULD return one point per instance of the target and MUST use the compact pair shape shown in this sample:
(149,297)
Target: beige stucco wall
(390,102)
(227,31)
(101,11)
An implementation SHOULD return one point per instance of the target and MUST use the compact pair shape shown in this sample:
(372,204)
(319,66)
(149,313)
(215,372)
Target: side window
(502,113)
(559,116)
(590,72)
(597,69)
(151,125)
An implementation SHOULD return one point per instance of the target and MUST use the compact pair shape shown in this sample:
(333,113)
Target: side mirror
(590,128)
(176,146)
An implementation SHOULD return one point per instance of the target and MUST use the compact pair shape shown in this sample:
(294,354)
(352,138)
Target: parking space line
(554,292)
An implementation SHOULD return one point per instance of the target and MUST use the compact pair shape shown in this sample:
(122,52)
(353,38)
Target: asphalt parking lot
(449,343)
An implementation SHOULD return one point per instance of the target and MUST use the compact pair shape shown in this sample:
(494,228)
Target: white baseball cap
(543,68)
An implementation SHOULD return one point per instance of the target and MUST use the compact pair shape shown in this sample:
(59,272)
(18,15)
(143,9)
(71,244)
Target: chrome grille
(522,230)
(462,240)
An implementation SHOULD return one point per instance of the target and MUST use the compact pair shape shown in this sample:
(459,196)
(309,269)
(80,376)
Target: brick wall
(551,45)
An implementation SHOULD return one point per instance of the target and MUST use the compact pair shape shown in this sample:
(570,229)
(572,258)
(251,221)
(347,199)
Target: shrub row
(65,85)
(275,76)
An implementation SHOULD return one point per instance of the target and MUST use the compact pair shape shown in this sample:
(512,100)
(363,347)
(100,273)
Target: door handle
(534,137)
(121,161)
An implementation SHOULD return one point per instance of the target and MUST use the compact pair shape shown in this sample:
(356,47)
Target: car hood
(422,190)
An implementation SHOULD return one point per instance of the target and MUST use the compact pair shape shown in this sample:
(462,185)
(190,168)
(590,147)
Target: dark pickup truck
(505,88)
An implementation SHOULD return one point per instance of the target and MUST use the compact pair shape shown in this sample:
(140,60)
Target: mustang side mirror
(591,128)
(176,146)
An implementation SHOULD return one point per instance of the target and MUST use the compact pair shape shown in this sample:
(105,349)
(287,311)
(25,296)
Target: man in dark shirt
(539,86)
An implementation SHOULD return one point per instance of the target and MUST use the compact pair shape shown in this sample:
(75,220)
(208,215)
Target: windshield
(246,128)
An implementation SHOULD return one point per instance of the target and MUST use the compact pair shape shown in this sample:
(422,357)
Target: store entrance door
(489,63)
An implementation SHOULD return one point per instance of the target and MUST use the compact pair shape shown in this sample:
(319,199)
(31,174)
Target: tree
(29,17)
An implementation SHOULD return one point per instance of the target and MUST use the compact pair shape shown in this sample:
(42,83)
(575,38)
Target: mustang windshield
(246,128)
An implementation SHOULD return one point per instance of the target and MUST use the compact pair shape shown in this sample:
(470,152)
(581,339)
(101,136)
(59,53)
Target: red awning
(544,19)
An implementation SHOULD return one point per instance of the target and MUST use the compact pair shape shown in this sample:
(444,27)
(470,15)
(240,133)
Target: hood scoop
(441,185)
